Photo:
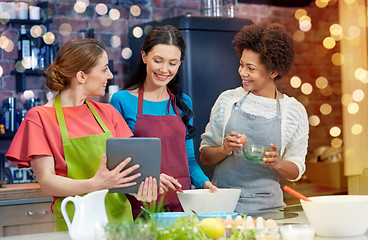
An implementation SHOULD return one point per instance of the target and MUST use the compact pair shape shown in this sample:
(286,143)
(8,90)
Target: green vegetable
(145,228)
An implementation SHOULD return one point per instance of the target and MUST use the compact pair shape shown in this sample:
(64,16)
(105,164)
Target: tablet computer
(144,151)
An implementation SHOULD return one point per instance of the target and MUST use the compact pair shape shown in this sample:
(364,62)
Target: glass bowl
(256,152)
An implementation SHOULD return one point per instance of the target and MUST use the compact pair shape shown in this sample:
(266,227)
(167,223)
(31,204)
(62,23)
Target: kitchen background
(315,78)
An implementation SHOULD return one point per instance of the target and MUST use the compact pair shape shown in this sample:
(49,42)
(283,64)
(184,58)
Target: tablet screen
(144,151)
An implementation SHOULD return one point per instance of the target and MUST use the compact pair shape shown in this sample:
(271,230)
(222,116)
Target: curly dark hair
(271,40)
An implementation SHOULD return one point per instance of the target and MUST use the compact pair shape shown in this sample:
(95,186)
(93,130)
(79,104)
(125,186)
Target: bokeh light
(305,18)
(336,32)
(137,32)
(357,129)
(295,81)
(335,131)
(361,75)
(115,41)
(44,29)
(4,41)
(321,82)
(321,3)
(36,31)
(327,91)
(306,88)
(349,1)
(65,29)
(101,9)
(298,36)
(337,59)
(49,38)
(28,94)
(325,109)
(19,67)
(314,120)
(336,142)
(300,13)
(27,62)
(9,47)
(358,95)
(346,99)
(80,7)
(353,108)
(329,43)
(126,53)
(105,21)
(305,26)
(135,10)
(114,14)
(354,31)
(147,29)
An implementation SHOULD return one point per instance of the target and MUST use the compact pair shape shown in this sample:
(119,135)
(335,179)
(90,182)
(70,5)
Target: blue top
(127,104)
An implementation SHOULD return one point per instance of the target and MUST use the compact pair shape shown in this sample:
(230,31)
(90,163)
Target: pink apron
(174,161)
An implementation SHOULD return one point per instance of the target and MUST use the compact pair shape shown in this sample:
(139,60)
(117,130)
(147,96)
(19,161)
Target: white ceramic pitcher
(89,216)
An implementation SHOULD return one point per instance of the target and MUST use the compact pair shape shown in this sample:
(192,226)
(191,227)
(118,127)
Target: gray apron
(260,187)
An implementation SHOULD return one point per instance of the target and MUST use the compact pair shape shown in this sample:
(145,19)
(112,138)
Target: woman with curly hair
(262,113)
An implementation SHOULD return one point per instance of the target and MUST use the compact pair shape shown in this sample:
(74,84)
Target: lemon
(212,226)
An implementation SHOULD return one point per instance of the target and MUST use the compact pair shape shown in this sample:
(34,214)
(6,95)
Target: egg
(249,223)
(270,223)
(260,223)
(238,221)
(228,221)
(243,138)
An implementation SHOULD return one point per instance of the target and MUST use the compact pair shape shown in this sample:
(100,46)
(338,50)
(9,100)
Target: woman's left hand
(272,158)
(147,191)
(209,185)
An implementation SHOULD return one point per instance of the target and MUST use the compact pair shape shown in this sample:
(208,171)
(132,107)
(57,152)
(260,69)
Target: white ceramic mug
(22,10)
(34,13)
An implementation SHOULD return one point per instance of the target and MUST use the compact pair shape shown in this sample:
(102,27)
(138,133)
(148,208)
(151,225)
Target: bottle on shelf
(10,114)
(35,50)
(24,48)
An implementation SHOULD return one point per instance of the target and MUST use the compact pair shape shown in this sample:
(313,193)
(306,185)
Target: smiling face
(255,77)
(97,77)
(162,63)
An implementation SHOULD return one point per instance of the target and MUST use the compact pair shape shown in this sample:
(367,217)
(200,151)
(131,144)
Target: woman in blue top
(153,105)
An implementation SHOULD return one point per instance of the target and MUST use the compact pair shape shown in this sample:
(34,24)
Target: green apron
(83,157)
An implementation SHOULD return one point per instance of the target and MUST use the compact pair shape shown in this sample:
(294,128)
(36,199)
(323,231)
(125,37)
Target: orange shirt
(39,134)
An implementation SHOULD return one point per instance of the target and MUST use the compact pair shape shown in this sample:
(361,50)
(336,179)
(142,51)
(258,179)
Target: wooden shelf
(7,136)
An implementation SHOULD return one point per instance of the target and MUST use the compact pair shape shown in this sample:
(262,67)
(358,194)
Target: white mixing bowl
(337,216)
(203,200)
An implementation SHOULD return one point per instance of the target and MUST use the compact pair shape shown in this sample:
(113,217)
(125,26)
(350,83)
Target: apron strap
(97,117)
(173,102)
(140,99)
(60,117)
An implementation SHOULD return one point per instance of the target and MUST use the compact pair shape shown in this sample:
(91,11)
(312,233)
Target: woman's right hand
(232,142)
(117,177)
(168,183)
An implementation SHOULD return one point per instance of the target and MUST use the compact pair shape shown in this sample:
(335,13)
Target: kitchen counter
(12,194)
(293,214)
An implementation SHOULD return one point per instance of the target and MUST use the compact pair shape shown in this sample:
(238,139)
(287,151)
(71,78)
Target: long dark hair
(167,35)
